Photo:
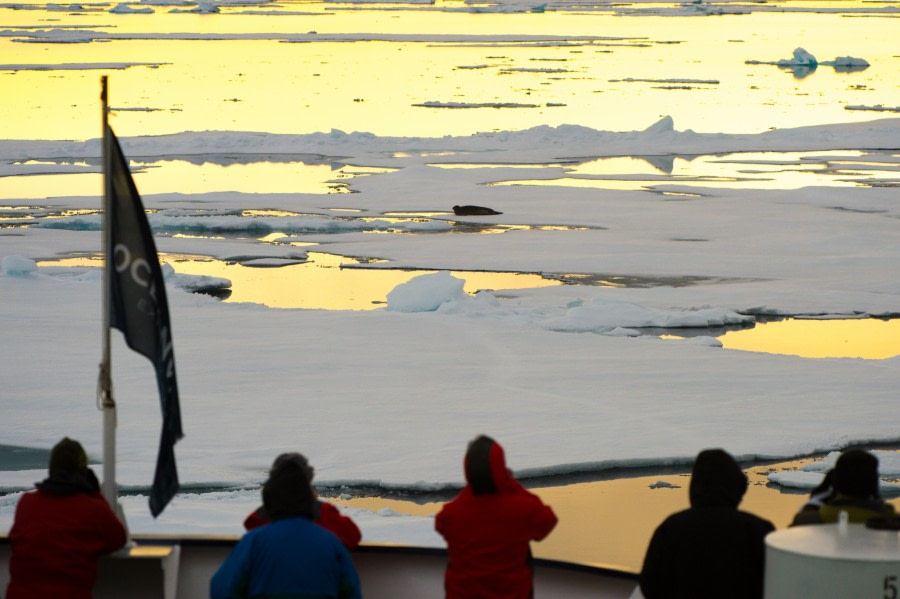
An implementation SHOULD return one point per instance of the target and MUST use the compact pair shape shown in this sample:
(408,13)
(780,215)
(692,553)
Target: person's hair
(856,474)
(67,456)
(478,465)
(288,492)
(297,458)
(716,480)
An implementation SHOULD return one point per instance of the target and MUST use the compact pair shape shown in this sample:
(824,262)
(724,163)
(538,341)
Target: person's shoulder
(680,516)
(324,537)
(95,501)
(31,495)
(514,491)
(308,528)
(293,527)
(807,515)
(858,510)
(457,503)
(255,519)
(756,521)
(28,503)
(328,511)
(693,518)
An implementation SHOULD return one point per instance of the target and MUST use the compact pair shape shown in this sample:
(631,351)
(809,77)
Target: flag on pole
(138,307)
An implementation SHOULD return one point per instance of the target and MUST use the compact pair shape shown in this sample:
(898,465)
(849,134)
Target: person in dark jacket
(854,489)
(290,557)
(61,530)
(488,528)
(324,514)
(711,550)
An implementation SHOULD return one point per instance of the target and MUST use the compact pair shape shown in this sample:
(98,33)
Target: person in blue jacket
(291,557)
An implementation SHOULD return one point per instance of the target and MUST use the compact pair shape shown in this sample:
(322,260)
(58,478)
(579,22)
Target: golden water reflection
(741,170)
(320,175)
(332,282)
(325,282)
(867,338)
(610,522)
(154,176)
(375,86)
(256,177)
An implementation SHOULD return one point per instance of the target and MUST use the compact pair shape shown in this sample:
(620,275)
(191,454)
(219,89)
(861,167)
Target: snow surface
(390,397)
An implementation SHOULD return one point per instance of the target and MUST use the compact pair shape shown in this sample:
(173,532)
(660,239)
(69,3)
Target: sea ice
(426,293)
(124,8)
(17,266)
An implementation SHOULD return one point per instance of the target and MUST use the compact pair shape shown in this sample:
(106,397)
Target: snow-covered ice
(390,397)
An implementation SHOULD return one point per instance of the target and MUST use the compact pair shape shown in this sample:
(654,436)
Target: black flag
(138,308)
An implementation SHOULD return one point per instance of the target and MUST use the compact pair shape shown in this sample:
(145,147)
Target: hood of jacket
(717,480)
(64,483)
(485,467)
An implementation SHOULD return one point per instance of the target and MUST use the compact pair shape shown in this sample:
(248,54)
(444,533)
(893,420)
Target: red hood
(485,467)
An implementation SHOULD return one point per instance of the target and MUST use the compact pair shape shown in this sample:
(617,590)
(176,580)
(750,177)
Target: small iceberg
(17,266)
(847,64)
(801,58)
(126,9)
(425,293)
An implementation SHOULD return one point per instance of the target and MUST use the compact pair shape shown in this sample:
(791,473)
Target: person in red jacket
(60,531)
(488,528)
(324,514)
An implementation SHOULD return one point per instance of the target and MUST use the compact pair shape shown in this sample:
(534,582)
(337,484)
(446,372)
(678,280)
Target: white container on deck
(832,561)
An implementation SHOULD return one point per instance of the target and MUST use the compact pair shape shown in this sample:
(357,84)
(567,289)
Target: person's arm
(440,520)
(350,586)
(764,528)
(330,518)
(232,579)
(807,516)
(256,519)
(542,519)
(109,529)
(650,579)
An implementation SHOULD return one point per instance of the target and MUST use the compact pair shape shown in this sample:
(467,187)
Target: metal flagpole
(105,399)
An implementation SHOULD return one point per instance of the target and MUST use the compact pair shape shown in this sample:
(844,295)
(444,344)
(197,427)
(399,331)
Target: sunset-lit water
(282,72)
(609,522)
(860,338)
(327,282)
(745,170)
(323,175)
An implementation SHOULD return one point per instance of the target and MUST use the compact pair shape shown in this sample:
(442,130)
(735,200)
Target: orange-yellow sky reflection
(609,523)
(863,338)
(324,284)
(374,86)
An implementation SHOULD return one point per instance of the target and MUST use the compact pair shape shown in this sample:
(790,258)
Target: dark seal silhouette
(473,210)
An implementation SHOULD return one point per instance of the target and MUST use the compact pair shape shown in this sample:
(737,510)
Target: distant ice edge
(563,141)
